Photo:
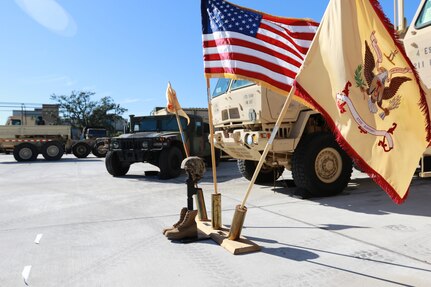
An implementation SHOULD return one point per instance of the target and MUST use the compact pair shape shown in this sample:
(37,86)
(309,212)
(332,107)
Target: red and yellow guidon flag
(358,76)
(173,106)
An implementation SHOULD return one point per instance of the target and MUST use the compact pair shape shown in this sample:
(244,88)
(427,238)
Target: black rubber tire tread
(247,168)
(21,146)
(114,166)
(81,150)
(303,165)
(170,162)
(96,152)
(50,157)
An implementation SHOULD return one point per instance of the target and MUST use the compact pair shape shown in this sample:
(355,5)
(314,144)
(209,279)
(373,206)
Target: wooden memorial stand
(236,247)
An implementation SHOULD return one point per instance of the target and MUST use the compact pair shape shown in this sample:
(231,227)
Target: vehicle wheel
(114,166)
(52,150)
(320,166)
(170,163)
(25,152)
(81,150)
(99,150)
(267,173)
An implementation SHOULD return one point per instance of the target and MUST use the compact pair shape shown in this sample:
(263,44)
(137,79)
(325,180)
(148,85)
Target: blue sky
(126,49)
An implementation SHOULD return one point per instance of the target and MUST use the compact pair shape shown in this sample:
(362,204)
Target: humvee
(157,140)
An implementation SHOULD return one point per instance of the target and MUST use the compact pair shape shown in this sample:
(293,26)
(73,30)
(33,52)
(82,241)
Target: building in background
(47,115)
(203,112)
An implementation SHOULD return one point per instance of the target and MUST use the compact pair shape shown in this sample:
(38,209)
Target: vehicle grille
(234,113)
(130,143)
(230,114)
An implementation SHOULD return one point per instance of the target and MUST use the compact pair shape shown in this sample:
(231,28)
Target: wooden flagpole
(210,118)
(269,143)
(216,197)
(241,210)
(182,133)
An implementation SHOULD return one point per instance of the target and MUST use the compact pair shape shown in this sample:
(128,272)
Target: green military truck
(92,140)
(156,140)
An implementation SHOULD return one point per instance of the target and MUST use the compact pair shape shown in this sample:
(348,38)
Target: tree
(81,111)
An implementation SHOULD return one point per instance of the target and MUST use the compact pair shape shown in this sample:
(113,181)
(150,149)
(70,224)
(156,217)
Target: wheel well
(316,123)
(307,123)
(179,145)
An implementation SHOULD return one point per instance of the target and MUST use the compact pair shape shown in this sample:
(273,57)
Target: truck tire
(81,150)
(98,150)
(266,175)
(114,166)
(170,163)
(320,166)
(25,152)
(52,150)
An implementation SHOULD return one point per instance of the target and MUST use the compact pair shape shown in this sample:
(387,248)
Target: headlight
(157,144)
(115,145)
(249,139)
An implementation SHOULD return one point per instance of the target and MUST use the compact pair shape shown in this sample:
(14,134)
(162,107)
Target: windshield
(237,84)
(16,122)
(97,133)
(424,18)
(221,87)
(157,124)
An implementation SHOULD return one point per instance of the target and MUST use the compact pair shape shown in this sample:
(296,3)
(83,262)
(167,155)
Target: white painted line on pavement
(25,273)
(38,238)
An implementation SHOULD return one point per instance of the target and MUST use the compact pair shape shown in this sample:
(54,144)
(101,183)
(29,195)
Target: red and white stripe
(274,56)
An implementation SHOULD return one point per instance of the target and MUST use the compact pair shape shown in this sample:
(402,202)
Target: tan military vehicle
(245,115)
(26,142)
(417,43)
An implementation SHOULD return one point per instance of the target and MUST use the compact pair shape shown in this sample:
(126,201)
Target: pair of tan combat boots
(185,227)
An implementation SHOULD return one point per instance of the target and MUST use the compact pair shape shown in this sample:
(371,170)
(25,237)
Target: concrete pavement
(98,230)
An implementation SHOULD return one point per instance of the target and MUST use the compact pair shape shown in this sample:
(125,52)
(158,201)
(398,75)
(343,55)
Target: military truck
(92,140)
(156,140)
(26,142)
(245,114)
(416,39)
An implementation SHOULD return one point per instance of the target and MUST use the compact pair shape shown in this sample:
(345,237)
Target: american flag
(242,43)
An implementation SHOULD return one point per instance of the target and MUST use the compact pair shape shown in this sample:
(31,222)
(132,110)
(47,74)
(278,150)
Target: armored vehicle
(245,114)
(157,140)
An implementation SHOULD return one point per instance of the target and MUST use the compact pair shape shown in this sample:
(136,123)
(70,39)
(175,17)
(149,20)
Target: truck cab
(245,113)
(89,133)
(417,42)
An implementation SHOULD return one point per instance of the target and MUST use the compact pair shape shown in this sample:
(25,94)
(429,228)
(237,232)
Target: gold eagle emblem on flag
(380,85)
